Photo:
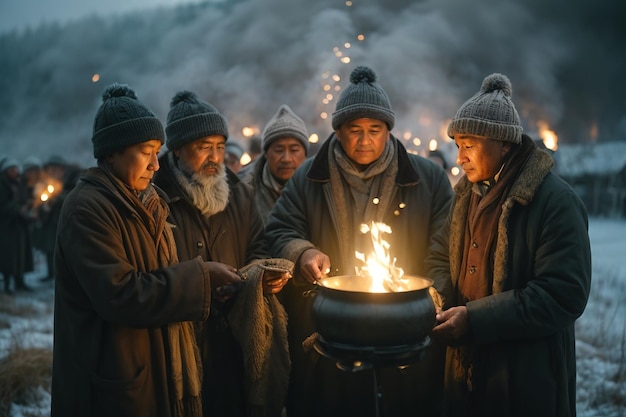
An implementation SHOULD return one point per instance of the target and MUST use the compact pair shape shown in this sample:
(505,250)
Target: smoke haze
(246,57)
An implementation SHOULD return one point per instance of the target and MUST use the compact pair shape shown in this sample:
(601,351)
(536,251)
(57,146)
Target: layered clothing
(266,188)
(517,254)
(124,306)
(234,236)
(322,206)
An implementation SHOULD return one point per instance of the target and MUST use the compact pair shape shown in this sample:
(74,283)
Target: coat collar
(320,170)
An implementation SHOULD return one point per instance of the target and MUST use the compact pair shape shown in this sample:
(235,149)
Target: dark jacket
(234,237)
(113,300)
(16,251)
(305,217)
(522,334)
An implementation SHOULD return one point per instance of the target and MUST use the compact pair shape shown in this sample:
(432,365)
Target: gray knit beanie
(190,119)
(121,121)
(490,112)
(363,98)
(285,123)
(31,162)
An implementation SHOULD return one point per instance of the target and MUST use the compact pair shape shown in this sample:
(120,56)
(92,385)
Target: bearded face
(202,173)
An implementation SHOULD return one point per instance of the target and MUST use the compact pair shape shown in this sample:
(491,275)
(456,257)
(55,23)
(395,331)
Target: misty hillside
(246,57)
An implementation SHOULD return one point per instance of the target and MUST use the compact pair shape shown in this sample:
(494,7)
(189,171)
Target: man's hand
(453,324)
(224,280)
(274,281)
(314,265)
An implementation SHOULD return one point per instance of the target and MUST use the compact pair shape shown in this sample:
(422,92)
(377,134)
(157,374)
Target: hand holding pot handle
(314,265)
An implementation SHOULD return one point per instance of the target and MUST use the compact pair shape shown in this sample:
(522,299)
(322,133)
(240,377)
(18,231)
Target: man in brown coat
(124,306)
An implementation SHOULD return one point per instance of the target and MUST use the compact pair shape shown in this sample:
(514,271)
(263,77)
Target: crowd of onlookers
(31,195)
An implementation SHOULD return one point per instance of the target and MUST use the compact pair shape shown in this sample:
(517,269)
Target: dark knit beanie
(363,98)
(285,123)
(490,112)
(122,121)
(190,119)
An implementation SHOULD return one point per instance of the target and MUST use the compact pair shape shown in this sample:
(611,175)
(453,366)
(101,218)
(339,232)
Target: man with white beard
(216,218)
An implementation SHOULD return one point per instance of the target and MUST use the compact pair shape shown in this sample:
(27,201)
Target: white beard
(209,193)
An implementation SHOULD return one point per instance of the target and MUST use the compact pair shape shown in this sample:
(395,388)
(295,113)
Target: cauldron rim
(425,284)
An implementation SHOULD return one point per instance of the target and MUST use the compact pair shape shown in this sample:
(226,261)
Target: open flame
(378,266)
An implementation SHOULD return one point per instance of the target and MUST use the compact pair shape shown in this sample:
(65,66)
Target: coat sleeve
(287,230)
(437,260)
(102,273)
(556,290)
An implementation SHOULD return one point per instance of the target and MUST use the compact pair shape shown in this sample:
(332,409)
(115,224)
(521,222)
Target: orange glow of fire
(378,266)
(548,136)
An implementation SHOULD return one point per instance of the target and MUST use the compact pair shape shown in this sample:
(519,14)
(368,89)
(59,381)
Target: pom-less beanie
(490,112)
(190,119)
(285,123)
(363,98)
(121,121)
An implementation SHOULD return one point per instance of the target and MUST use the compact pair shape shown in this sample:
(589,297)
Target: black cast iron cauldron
(346,313)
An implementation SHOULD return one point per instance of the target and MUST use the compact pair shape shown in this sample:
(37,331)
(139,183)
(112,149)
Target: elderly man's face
(363,140)
(204,156)
(480,157)
(284,156)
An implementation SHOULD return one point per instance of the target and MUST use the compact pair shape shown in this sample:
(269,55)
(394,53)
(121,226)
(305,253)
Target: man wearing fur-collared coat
(517,265)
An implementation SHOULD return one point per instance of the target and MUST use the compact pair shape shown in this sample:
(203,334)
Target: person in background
(16,214)
(48,211)
(243,343)
(255,148)
(516,261)
(285,147)
(31,174)
(232,156)
(123,310)
(361,174)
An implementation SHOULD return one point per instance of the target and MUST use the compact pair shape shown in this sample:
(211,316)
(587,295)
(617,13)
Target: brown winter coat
(113,300)
(523,334)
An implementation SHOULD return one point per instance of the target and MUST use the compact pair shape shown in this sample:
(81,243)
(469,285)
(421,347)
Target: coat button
(200,244)
(474,244)
(472,269)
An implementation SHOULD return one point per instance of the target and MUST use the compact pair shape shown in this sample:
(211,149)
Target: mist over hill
(246,57)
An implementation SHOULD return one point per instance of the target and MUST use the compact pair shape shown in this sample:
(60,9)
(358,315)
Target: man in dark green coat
(361,174)
(516,264)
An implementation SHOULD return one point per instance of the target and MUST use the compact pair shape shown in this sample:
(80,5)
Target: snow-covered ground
(601,331)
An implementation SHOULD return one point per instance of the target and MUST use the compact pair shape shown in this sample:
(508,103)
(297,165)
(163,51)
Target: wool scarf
(360,197)
(184,368)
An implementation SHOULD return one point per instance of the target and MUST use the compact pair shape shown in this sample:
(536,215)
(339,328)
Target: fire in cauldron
(379,308)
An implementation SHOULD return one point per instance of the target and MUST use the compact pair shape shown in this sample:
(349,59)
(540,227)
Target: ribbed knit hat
(363,98)
(490,112)
(285,123)
(235,149)
(9,162)
(121,121)
(190,119)
(31,162)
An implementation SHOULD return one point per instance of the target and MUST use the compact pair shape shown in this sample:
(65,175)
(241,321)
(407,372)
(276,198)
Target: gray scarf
(365,195)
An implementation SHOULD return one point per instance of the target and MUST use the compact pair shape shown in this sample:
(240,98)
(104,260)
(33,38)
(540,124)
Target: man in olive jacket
(361,174)
(516,262)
